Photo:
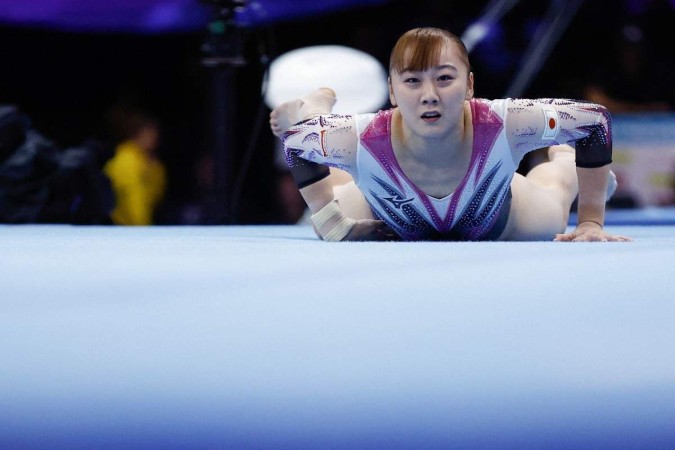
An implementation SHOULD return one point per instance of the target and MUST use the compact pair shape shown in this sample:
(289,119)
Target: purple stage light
(154,16)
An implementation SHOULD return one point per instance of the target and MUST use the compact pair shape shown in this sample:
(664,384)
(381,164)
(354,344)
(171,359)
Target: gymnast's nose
(429,94)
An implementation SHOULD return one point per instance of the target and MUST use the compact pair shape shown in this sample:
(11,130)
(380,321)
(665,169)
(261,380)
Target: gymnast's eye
(411,80)
(445,78)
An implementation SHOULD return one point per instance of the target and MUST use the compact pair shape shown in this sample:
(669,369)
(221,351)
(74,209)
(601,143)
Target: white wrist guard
(332,224)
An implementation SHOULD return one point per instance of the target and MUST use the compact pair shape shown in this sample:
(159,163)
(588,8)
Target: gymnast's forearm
(328,218)
(318,194)
(592,194)
(316,189)
(593,157)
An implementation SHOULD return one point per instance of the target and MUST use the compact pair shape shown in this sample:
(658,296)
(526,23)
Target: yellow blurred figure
(138,177)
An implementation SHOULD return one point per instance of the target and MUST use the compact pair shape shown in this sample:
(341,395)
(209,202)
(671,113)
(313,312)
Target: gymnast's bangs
(420,49)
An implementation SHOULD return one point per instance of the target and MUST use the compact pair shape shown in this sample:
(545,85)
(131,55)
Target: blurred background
(79,70)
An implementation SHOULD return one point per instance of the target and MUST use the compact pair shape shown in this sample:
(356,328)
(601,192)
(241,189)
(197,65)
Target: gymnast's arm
(313,145)
(533,124)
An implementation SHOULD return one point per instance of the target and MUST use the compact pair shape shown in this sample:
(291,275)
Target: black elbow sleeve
(305,172)
(595,150)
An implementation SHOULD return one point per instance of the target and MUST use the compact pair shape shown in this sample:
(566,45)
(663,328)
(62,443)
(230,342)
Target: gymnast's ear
(392,97)
(469,87)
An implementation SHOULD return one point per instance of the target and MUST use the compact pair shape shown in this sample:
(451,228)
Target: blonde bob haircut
(420,48)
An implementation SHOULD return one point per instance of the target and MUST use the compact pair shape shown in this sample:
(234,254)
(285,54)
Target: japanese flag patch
(551,123)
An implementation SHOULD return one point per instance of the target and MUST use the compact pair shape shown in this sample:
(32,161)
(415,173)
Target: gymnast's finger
(564,237)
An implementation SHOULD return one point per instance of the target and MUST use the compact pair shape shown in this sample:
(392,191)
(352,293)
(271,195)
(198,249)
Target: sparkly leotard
(503,132)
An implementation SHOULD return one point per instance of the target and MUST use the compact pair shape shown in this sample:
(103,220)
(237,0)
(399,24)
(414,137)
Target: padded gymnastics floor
(263,337)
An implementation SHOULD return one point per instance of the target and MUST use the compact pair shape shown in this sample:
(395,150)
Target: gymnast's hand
(371,230)
(589,232)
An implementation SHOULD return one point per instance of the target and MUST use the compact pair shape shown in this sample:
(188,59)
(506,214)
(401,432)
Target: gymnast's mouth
(430,116)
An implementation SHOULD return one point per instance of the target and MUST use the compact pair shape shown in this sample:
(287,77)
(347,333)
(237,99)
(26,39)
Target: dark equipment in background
(223,54)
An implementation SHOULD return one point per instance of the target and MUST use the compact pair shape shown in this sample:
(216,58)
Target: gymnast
(441,164)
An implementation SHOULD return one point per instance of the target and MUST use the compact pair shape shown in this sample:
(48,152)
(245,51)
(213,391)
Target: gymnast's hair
(420,48)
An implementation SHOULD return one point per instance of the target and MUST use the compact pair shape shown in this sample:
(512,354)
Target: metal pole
(558,17)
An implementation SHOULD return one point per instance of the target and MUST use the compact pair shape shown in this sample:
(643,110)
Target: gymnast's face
(431,101)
